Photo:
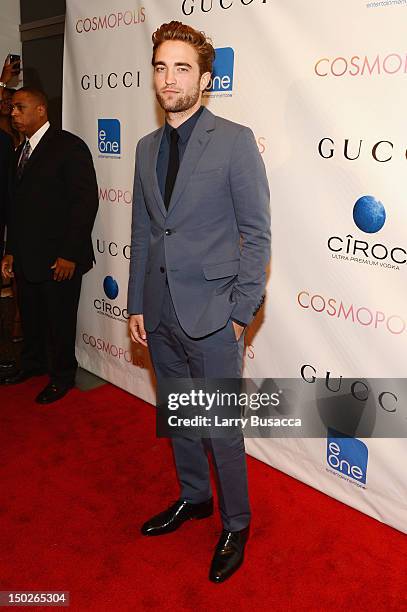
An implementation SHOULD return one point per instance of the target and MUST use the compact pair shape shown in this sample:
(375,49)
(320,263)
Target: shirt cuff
(239,322)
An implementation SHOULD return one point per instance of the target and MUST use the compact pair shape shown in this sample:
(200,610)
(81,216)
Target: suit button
(162,269)
(168,232)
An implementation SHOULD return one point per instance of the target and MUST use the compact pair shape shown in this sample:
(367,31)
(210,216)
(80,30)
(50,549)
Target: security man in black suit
(53,204)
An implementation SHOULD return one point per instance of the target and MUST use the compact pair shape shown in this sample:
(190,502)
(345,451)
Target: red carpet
(80,476)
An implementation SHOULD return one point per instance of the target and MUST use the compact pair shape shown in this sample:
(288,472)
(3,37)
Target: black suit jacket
(53,206)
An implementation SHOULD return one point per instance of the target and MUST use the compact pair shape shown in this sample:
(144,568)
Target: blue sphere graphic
(111,288)
(369,214)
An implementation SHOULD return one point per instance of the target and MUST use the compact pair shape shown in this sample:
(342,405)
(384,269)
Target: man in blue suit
(199,251)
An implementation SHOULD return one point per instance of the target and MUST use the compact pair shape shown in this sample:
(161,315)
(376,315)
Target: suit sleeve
(140,241)
(251,199)
(82,192)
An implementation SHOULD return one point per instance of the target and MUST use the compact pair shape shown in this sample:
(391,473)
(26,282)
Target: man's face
(178,84)
(28,114)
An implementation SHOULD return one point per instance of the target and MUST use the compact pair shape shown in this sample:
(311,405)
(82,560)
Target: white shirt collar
(35,138)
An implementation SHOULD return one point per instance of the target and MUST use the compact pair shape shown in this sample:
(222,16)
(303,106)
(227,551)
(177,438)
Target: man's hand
(7,267)
(9,71)
(137,331)
(63,269)
(239,329)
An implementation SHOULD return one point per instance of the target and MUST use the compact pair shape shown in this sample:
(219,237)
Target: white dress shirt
(35,138)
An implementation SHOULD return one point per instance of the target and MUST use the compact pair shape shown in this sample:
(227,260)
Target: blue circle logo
(369,214)
(110,287)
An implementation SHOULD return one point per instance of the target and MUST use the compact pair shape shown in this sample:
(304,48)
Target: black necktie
(173,166)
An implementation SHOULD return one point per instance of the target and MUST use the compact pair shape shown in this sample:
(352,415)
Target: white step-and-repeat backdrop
(322,84)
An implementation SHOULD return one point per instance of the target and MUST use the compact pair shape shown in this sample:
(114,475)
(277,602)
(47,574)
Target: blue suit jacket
(213,243)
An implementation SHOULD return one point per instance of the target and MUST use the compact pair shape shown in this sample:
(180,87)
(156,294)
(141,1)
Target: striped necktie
(24,159)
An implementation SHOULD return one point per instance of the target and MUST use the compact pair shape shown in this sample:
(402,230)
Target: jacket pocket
(207,175)
(221,270)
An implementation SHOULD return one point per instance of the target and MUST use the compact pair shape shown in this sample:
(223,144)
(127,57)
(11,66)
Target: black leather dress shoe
(20,376)
(52,393)
(229,554)
(178,513)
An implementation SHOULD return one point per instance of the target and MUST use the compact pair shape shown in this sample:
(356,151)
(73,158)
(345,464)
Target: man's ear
(205,78)
(42,110)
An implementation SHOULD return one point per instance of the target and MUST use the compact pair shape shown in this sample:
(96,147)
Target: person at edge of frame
(53,204)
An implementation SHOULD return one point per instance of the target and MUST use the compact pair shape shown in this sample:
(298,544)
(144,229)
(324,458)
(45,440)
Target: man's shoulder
(5,139)
(66,138)
(145,140)
(228,126)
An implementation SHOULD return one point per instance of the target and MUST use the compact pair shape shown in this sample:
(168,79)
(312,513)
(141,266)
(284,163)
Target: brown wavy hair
(175,30)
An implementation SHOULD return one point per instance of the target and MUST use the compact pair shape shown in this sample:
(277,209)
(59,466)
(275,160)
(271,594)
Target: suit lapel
(153,156)
(37,153)
(196,146)
(14,165)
